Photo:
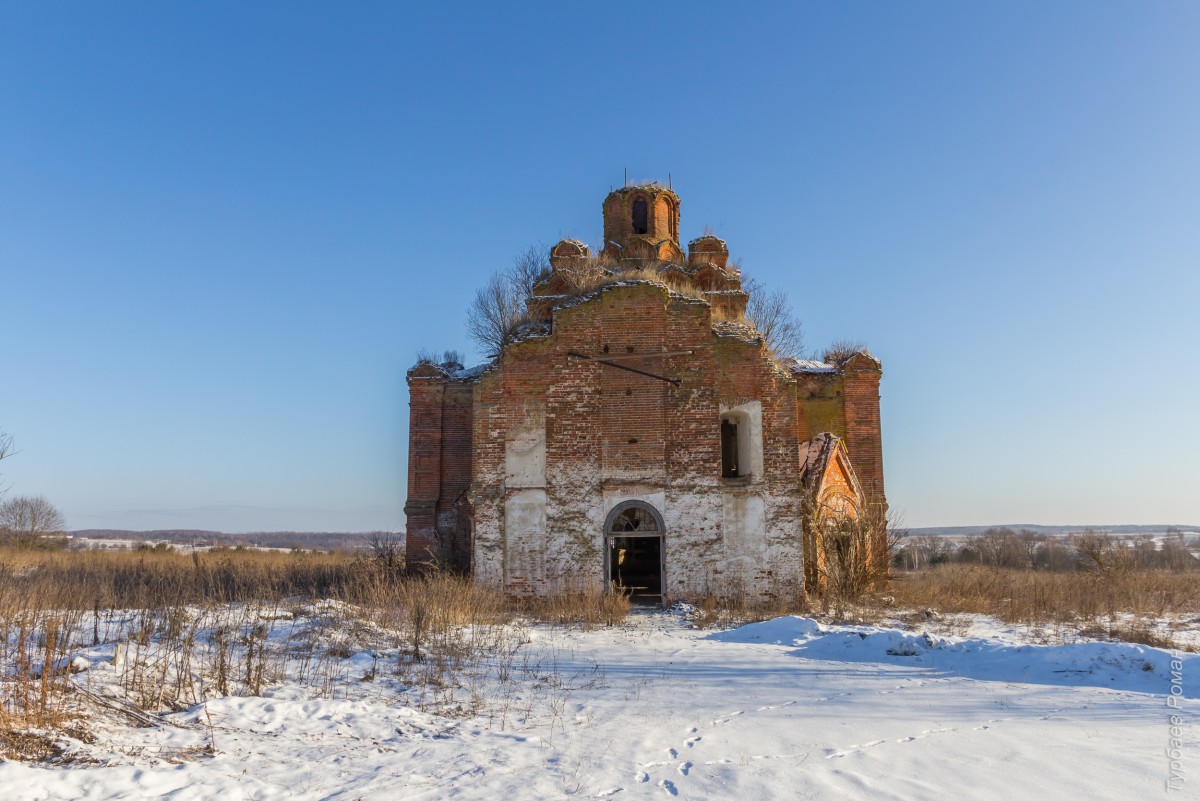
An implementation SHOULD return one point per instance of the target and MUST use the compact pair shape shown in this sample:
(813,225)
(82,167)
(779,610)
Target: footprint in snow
(668,787)
(727,718)
(684,768)
(691,741)
(832,753)
(672,753)
(642,777)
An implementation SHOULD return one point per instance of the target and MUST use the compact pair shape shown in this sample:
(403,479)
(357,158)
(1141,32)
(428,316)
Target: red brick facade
(515,470)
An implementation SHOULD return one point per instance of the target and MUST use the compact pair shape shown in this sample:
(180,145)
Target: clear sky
(227,228)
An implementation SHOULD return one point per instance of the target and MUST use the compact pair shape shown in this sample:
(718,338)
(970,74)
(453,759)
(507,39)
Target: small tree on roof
(498,311)
(771,313)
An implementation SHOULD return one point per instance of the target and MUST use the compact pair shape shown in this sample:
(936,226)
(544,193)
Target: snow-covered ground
(784,709)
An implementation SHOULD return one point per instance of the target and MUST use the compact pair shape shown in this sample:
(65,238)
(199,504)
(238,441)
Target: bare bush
(1032,544)
(854,553)
(529,267)
(920,553)
(387,551)
(6,450)
(1102,552)
(840,350)
(771,313)
(1001,547)
(30,521)
(498,311)
(449,359)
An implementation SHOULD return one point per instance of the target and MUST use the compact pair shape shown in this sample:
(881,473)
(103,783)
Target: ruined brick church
(639,434)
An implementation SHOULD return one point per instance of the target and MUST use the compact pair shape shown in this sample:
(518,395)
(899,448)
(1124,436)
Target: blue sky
(226,229)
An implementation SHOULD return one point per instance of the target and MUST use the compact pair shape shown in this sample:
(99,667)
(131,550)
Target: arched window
(634,518)
(641,222)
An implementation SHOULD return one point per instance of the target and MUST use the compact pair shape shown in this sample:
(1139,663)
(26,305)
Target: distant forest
(971,531)
(308,540)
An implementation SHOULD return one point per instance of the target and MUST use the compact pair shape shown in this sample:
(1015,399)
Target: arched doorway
(634,536)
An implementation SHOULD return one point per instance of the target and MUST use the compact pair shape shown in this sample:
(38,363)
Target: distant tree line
(1028,550)
(183,538)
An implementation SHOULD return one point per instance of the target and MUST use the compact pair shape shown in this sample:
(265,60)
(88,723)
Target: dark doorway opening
(635,552)
(635,567)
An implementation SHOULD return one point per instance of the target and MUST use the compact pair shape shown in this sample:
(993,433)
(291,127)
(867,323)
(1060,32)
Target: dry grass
(1037,596)
(599,273)
(584,608)
(726,610)
(732,601)
(1120,605)
(140,579)
(185,628)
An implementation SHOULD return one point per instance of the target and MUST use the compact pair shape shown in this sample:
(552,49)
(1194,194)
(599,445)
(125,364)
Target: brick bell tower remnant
(639,434)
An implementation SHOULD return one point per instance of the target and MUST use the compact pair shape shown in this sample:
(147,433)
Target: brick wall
(862,429)
(426,387)
(611,435)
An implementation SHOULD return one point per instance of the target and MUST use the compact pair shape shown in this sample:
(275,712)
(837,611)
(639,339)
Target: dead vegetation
(733,605)
(1103,588)
(853,553)
(499,315)
(176,630)
(1089,584)
(1036,597)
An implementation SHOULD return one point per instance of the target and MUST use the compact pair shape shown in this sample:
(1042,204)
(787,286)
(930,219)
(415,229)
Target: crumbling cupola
(641,224)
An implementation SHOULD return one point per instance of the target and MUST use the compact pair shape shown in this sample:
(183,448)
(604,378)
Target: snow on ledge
(809,366)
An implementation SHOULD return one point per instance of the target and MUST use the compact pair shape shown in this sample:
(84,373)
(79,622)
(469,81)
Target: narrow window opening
(738,446)
(729,449)
(641,223)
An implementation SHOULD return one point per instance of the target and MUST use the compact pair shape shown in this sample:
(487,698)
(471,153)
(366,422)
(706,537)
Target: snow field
(784,709)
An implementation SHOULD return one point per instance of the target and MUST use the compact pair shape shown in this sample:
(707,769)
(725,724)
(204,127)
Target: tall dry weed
(185,628)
